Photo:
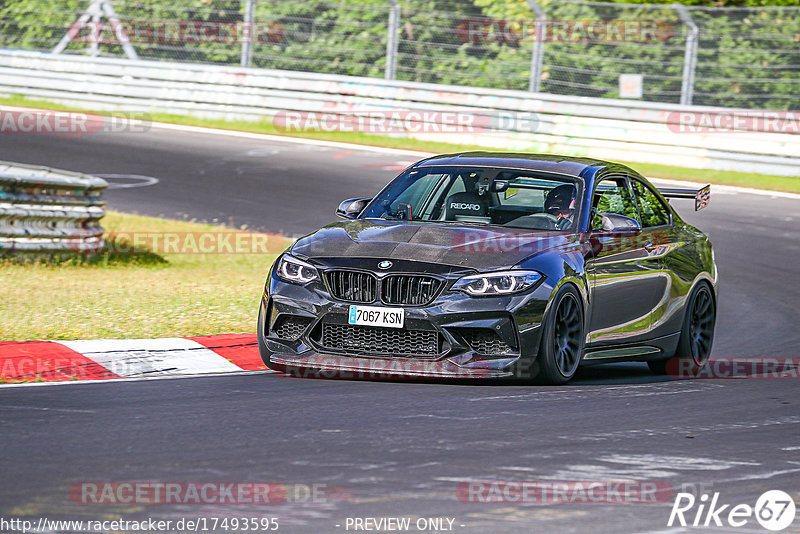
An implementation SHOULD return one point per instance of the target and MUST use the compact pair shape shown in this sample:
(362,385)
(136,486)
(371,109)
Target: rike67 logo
(774,510)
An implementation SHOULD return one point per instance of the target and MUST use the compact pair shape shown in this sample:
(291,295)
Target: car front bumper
(486,337)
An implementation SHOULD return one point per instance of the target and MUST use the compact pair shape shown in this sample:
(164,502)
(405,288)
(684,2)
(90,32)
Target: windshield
(518,199)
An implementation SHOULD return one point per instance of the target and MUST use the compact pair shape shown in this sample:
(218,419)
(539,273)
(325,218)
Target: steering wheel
(564,223)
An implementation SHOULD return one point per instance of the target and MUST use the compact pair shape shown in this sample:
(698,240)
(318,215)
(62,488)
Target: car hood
(464,246)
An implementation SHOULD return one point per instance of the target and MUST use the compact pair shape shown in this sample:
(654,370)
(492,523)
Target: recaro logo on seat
(464,206)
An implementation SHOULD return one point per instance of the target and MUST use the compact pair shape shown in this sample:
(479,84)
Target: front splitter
(335,366)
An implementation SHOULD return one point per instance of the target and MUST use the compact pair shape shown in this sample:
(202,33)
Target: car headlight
(296,271)
(499,283)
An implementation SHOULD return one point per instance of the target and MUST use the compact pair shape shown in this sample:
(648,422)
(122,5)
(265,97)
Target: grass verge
(742,179)
(123,295)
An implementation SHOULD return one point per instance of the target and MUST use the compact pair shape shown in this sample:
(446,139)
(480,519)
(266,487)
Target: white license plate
(376,316)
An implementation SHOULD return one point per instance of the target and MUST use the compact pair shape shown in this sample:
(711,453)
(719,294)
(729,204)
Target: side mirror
(350,208)
(498,186)
(613,222)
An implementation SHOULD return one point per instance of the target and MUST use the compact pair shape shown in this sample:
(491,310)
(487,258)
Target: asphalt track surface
(402,448)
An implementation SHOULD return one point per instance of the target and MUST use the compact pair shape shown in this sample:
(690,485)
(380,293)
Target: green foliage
(40,25)
(746,58)
(345,37)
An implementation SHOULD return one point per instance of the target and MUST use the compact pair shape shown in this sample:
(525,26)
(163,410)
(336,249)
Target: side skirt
(654,349)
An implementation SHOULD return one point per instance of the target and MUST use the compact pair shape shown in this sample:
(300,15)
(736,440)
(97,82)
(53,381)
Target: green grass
(743,179)
(134,295)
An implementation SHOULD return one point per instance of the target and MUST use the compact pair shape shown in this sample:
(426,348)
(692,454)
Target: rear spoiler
(701,196)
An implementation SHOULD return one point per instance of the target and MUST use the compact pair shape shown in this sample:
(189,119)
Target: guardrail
(578,126)
(49,210)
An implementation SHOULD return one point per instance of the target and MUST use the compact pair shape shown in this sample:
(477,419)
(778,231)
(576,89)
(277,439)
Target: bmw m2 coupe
(490,265)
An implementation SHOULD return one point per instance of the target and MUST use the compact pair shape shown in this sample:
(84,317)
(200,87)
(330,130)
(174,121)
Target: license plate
(376,316)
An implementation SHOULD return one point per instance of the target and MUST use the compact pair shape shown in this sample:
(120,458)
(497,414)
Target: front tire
(561,347)
(697,336)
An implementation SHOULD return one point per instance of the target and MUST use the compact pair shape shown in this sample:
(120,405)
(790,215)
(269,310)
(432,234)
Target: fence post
(119,29)
(391,40)
(95,12)
(247,42)
(690,55)
(537,57)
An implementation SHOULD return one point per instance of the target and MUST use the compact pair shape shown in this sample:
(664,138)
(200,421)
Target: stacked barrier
(49,210)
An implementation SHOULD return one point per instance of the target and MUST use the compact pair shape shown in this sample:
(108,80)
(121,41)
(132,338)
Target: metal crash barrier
(49,210)
(603,128)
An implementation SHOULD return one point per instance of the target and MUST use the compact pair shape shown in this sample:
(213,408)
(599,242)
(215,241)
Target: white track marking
(399,151)
(643,466)
(674,462)
(134,379)
(627,390)
(44,409)
(293,140)
(139,180)
(758,476)
(420,154)
(152,357)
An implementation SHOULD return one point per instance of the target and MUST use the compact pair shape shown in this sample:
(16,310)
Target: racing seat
(467,207)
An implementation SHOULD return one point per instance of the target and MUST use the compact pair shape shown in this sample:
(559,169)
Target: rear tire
(561,347)
(697,336)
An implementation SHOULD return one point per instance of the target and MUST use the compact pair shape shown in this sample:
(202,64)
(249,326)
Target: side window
(653,210)
(613,195)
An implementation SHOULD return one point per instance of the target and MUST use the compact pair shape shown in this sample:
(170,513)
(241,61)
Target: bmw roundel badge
(385,264)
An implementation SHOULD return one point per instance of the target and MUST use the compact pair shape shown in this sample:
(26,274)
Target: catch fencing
(49,210)
(737,57)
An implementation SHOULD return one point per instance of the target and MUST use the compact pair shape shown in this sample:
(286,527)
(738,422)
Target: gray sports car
(496,265)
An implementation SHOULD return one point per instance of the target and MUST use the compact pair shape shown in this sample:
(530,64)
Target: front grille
(381,341)
(484,341)
(352,286)
(411,290)
(290,327)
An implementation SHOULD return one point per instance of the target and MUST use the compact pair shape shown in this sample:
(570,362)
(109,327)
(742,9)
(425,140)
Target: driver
(560,201)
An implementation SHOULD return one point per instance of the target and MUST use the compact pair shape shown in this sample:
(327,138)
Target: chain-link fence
(731,57)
